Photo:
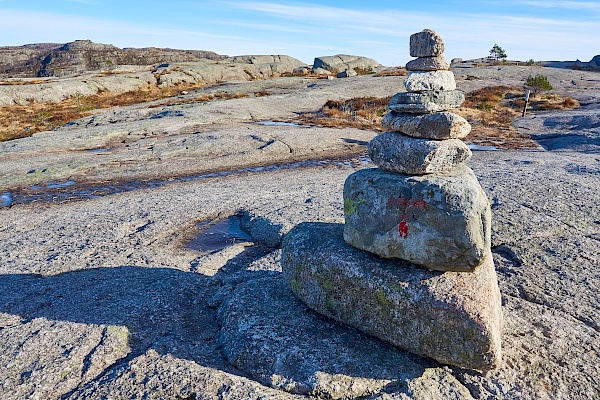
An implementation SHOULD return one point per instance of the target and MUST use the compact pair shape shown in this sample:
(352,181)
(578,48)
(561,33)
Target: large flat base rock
(275,339)
(455,318)
(441,221)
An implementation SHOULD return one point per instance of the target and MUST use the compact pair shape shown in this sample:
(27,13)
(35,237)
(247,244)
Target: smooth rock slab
(426,102)
(428,64)
(440,221)
(437,126)
(396,152)
(426,43)
(455,318)
(430,80)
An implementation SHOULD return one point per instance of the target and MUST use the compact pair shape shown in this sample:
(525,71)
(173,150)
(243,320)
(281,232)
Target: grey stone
(346,73)
(396,152)
(426,43)
(438,126)
(440,221)
(453,317)
(342,62)
(428,64)
(426,102)
(430,80)
(278,341)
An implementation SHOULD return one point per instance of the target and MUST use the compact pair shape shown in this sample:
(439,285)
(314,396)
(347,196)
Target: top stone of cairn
(426,43)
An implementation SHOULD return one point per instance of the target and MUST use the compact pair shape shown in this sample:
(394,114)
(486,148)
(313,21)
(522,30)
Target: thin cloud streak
(566,5)
(265,27)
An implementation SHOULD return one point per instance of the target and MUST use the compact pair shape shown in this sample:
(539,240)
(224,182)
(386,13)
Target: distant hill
(54,59)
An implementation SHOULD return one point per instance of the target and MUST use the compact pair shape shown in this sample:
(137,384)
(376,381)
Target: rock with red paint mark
(440,221)
(396,152)
(437,126)
(455,318)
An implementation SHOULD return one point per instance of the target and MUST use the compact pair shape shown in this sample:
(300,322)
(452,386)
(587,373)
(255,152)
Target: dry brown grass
(17,121)
(393,71)
(358,112)
(489,110)
(20,82)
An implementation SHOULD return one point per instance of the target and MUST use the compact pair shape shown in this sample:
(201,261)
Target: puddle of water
(482,148)
(271,123)
(71,190)
(218,235)
(52,185)
(102,150)
(6,199)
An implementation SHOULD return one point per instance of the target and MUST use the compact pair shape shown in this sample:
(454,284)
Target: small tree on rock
(497,53)
(537,84)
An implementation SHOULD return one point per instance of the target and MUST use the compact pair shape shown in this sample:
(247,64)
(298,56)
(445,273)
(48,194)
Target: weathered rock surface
(84,55)
(426,102)
(278,341)
(430,80)
(343,62)
(440,221)
(287,61)
(396,152)
(452,317)
(426,43)
(428,64)
(193,138)
(437,126)
(545,234)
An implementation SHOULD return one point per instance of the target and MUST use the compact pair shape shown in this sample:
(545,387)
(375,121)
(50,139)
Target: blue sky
(525,29)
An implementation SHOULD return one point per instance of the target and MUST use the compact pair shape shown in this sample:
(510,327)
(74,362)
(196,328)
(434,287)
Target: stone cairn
(414,267)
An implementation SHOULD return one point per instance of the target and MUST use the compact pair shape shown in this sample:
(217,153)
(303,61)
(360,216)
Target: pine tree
(537,83)
(497,53)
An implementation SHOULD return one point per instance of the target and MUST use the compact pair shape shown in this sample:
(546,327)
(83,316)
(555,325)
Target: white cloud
(466,35)
(567,5)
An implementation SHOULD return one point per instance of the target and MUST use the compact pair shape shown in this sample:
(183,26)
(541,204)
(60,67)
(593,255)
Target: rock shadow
(283,344)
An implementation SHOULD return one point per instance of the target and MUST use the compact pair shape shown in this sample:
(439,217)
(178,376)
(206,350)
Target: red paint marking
(404,204)
(420,203)
(403,229)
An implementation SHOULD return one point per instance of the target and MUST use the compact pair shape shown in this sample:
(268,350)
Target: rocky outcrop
(342,62)
(285,62)
(126,78)
(594,63)
(84,55)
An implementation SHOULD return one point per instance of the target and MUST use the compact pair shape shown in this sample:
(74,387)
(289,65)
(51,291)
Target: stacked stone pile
(423,144)
(415,266)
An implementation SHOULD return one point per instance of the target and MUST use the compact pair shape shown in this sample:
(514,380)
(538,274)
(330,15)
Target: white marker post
(526,102)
